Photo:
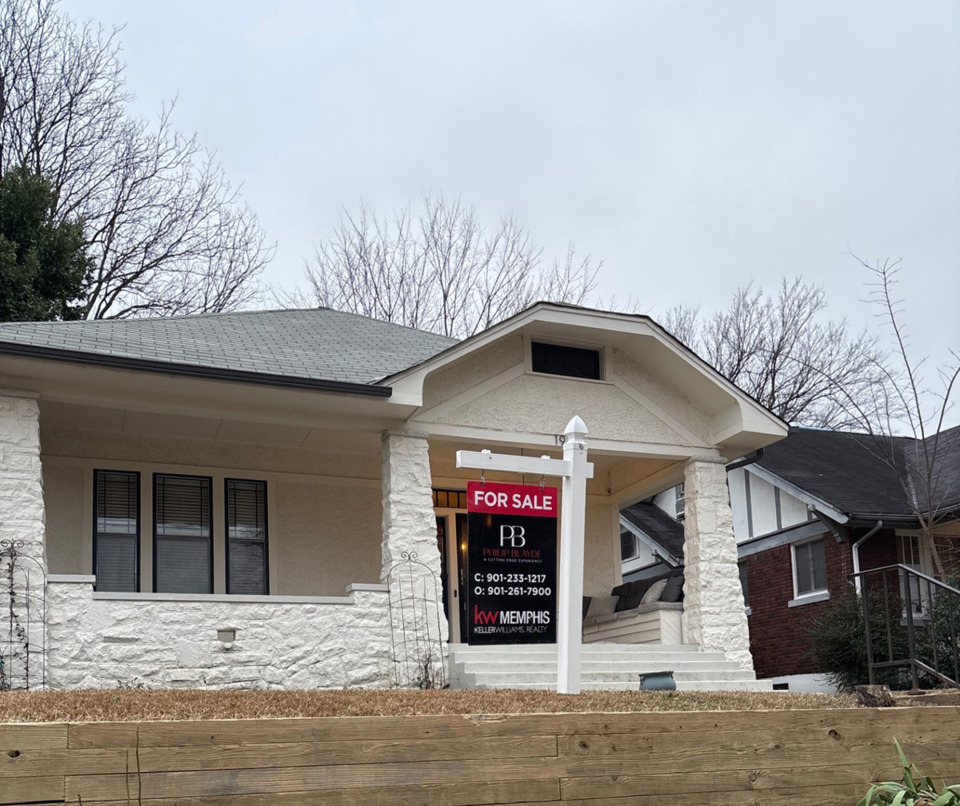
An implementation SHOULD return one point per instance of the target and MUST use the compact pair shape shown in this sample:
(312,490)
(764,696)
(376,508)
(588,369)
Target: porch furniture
(645,611)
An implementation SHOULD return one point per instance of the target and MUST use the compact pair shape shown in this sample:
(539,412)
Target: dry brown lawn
(181,704)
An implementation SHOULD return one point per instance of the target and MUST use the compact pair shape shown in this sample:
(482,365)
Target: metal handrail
(910,580)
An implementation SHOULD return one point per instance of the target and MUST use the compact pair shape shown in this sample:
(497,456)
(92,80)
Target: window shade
(246,536)
(184,551)
(117,530)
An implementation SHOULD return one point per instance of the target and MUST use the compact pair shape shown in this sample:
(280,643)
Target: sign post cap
(576,428)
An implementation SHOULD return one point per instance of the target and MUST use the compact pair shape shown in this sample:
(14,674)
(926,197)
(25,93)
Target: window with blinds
(183,546)
(116,530)
(246,536)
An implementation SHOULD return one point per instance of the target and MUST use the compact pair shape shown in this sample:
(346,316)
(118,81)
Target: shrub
(913,789)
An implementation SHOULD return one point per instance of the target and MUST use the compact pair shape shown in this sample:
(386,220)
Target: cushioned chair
(646,611)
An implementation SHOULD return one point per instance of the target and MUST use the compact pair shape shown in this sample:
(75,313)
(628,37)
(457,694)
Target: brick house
(808,512)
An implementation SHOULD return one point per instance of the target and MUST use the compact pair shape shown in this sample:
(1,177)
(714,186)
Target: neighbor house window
(116,530)
(557,359)
(680,501)
(628,545)
(183,545)
(246,536)
(809,568)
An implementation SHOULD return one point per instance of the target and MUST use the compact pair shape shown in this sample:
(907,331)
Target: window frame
(138,534)
(211,538)
(816,594)
(226,536)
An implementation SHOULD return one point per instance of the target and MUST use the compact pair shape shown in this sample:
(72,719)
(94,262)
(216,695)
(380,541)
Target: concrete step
(644,666)
(603,666)
(495,679)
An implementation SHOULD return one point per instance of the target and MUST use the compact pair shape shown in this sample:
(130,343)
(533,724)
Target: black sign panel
(511,564)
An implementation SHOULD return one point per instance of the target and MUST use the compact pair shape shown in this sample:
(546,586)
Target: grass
(123,705)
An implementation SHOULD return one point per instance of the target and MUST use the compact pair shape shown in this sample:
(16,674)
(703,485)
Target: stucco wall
(323,508)
(97,643)
(542,404)
(601,548)
(66,519)
(467,373)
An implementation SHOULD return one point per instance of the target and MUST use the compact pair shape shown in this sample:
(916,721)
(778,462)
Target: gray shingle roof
(658,526)
(846,470)
(316,344)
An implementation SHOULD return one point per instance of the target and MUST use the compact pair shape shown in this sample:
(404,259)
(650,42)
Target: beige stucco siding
(466,374)
(65,518)
(323,508)
(543,404)
(326,537)
(601,569)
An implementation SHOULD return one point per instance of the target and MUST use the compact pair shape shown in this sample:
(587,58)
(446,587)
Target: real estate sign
(511,564)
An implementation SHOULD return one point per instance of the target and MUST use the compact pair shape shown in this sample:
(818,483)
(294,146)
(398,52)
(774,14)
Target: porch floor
(603,666)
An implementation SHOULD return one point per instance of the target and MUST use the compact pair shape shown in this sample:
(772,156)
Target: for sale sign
(512,564)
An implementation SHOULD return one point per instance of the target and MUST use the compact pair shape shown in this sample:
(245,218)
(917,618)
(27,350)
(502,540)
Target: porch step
(603,666)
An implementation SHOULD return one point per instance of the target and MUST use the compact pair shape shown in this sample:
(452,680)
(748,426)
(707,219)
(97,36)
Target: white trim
(220,598)
(811,500)
(809,598)
(367,587)
(72,579)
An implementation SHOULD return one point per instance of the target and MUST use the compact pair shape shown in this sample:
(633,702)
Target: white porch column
(419,626)
(21,482)
(713,609)
(409,524)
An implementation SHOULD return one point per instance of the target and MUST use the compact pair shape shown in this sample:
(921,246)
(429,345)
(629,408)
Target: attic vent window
(573,362)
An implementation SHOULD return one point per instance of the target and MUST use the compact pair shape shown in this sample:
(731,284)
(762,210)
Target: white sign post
(574,469)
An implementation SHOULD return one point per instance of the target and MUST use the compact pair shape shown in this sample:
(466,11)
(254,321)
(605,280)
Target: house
(225,499)
(810,511)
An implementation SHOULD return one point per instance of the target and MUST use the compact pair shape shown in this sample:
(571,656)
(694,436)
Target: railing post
(911,644)
(864,603)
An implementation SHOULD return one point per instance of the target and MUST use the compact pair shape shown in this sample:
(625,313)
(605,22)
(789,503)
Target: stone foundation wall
(107,643)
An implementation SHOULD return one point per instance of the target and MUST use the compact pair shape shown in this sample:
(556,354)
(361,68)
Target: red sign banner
(511,499)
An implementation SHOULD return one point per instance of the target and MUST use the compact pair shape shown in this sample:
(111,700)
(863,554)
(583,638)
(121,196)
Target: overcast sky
(693,146)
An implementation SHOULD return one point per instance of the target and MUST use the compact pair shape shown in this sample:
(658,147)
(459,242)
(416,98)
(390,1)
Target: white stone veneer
(96,642)
(713,610)
(21,481)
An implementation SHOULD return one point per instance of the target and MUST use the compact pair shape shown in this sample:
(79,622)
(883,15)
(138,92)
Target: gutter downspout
(856,552)
(749,459)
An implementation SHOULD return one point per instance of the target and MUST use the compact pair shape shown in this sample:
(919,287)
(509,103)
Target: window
(744,582)
(628,545)
(116,530)
(680,502)
(183,544)
(809,568)
(246,536)
(574,362)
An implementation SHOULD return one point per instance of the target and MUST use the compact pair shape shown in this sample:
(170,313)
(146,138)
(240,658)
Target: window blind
(246,536)
(117,530)
(183,546)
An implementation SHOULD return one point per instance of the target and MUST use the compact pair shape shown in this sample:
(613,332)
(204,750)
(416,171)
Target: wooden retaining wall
(766,757)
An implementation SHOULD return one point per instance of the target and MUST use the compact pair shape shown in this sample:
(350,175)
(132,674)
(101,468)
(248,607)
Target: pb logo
(514,535)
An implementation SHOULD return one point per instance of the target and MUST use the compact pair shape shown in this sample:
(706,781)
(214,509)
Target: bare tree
(439,270)
(905,404)
(166,232)
(781,351)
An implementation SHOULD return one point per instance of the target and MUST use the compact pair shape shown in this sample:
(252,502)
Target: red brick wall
(778,633)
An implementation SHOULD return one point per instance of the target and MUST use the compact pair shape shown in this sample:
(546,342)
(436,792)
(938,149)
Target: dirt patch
(124,705)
